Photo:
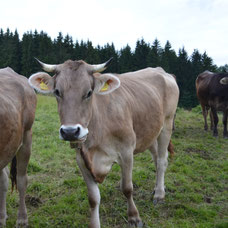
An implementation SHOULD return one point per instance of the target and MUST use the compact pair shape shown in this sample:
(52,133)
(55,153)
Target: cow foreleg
(93,193)
(127,188)
(23,156)
(3,191)
(225,114)
(162,163)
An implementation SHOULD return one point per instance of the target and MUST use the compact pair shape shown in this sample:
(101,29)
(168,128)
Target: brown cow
(108,118)
(17,112)
(212,92)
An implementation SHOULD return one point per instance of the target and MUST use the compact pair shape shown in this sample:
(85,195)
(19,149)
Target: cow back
(142,103)
(17,110)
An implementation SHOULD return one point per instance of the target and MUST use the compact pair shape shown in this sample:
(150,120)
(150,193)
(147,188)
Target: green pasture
(196,180)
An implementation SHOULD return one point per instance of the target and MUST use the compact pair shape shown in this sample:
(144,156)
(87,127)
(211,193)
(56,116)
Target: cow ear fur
(42,82)
(105,83)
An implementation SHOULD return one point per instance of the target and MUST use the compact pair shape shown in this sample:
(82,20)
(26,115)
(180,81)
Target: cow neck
(84,154)
(97,122)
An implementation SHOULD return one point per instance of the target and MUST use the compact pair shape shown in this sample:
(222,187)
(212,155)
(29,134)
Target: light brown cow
(108,118)
(17,112)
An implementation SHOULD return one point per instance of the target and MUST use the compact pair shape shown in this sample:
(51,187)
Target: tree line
(19,55)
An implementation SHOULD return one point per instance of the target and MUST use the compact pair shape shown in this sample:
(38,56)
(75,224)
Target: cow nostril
(63,133)
(77,132)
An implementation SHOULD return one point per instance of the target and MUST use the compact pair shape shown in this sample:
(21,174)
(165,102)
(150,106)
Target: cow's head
(74,85)
(224,81)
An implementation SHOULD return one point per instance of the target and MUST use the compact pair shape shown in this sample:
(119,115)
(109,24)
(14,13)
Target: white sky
(194,24)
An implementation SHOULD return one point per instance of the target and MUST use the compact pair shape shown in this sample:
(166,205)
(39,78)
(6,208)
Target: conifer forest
(19,55)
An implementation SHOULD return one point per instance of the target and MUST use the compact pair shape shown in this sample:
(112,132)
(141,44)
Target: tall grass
(196,180)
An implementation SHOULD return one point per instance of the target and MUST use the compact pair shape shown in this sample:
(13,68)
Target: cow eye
(57,93)
(88,95)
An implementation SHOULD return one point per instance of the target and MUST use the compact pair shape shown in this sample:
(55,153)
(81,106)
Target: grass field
(196,180)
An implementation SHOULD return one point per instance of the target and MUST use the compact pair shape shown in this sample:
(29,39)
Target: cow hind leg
(225,133)
(162,161)
(215,118)
(3,191)
(154,152)
(205,113)
(212,121)
(23,156)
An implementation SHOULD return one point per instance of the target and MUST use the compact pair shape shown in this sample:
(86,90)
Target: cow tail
(171,149)
(13,172)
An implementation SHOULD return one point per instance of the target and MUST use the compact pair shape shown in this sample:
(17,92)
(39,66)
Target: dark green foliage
(125,60)
(19,55)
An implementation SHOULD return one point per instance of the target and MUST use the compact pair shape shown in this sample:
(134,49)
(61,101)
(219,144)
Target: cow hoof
(134,223)
(22,223)
(3,221)
(158,201)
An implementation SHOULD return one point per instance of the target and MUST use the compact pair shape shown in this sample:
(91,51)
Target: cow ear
(105,83)
(42,82)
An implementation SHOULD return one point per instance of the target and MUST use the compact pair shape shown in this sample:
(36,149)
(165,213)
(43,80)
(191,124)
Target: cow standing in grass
(108,118)
(17,113)
(212,92)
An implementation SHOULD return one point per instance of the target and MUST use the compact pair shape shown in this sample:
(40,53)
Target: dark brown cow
(17,112)
(212,92)
(108,118)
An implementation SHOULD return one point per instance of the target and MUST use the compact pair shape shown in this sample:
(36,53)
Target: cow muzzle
(73,133)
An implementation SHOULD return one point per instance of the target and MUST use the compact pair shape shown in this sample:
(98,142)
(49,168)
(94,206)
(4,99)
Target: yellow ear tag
(43,86)
(105,87)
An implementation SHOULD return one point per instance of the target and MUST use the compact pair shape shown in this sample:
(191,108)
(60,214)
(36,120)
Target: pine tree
(140,56)
(27,61)
(59,49)
(207,63)
(169,59)
(223,69)
(183,75)
(125,59)
(15,58)
(154,56)
(92,55)
(46,49)
(107,52)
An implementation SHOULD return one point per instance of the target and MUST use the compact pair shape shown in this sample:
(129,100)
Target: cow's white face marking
(73,132)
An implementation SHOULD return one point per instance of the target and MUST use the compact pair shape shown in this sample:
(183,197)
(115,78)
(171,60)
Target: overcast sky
(193,24)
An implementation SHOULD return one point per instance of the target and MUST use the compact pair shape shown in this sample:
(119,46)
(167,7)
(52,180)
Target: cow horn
(224,81)
(101,67)
(46,67)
